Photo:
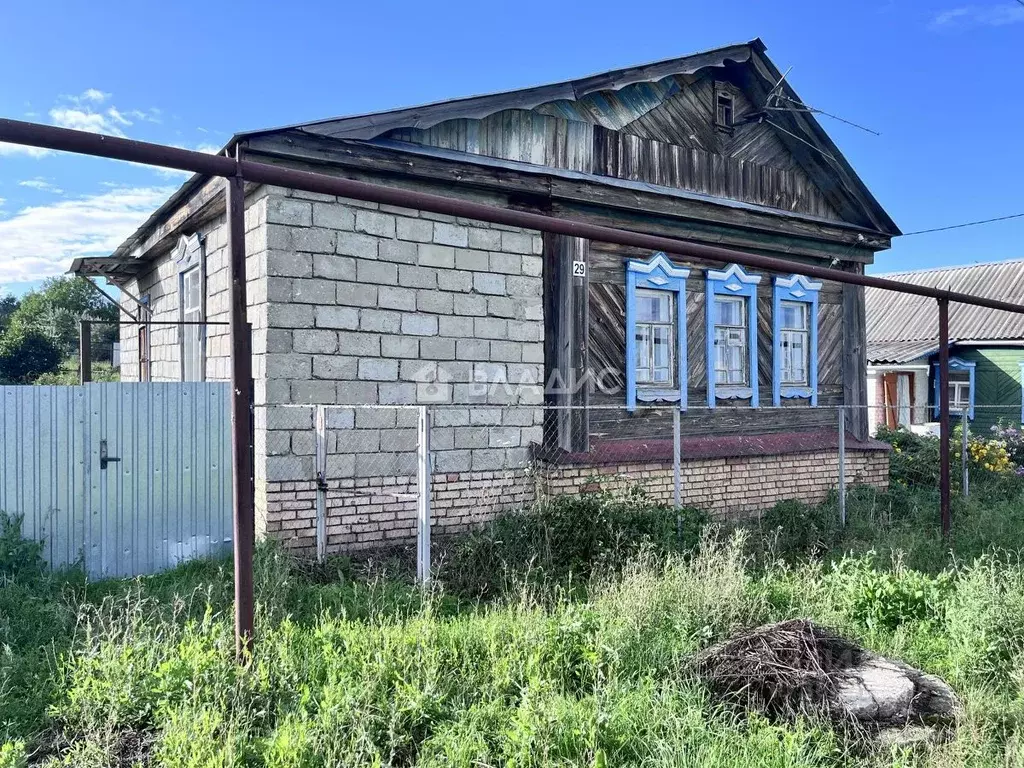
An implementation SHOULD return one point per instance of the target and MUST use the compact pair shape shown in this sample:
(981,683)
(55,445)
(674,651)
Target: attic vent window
(724,115)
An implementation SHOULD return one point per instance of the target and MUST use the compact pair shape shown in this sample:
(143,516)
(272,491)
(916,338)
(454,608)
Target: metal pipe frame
(236,169)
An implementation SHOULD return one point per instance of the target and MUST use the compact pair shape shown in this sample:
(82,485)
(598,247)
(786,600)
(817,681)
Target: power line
(969,223)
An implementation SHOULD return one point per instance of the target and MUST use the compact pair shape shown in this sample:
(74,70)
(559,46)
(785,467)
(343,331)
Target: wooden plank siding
(625,156)
(608,352)
(662,134)
(997,385)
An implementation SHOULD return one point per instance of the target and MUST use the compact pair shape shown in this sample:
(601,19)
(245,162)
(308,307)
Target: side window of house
(960,389)
(655,331)
(191,331)
(188,257)
(731,328)
(795,339)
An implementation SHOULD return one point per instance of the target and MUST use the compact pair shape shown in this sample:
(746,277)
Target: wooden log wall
(608,352)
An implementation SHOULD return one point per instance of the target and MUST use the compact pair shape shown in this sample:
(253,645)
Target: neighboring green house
(986,349)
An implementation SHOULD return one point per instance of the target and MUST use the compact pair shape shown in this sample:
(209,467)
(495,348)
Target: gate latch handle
(104,458)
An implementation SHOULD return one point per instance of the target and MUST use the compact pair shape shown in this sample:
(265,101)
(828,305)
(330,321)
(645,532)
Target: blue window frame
(795,339)
(655,331)
(957,383)
(731,334)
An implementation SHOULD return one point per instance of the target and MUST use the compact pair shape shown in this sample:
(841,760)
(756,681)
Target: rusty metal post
(84,351)
(944,436)
(965,429)
(241,420)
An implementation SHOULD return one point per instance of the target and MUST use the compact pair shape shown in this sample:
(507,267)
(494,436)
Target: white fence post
(320,430)
(423,499)
(676,461)
(965,487)
(842,465)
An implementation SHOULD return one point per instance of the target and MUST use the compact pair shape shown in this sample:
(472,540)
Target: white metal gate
(127,479)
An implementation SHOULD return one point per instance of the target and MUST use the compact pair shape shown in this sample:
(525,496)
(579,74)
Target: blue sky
(939,79)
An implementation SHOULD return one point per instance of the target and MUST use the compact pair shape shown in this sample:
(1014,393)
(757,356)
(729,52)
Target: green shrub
(20,558)
(800,529)
(886,599)
(567,538)
(12,755)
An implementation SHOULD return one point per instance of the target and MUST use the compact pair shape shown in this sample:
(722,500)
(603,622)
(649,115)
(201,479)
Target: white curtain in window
(903,399)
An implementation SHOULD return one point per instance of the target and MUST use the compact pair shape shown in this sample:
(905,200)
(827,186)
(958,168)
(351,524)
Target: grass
(561,638)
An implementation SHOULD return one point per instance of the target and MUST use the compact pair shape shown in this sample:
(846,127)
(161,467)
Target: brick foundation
(731,486)
(369,513)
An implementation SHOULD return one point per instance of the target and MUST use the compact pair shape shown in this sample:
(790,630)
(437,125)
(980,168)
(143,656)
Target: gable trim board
(744,63)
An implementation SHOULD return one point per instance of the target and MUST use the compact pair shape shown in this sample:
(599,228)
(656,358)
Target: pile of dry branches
(783,670)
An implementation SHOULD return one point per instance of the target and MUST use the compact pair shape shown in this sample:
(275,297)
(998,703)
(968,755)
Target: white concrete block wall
(372,304)
(162,284)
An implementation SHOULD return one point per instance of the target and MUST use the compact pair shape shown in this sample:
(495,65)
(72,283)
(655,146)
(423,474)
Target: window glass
(795,343)
(959,390)
(730,310)
(731,341)
(794,315)
(655,338)
(191,335)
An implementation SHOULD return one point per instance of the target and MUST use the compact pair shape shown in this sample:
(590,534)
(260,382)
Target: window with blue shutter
(655,331)
(795,339)
(731,334)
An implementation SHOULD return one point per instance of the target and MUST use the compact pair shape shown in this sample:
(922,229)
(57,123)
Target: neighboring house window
(188,257)
(795,339)
(731,328)
(961,387)
(655,331)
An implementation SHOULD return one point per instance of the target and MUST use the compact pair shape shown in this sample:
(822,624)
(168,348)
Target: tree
(55,309)
(8,304)
(26,355)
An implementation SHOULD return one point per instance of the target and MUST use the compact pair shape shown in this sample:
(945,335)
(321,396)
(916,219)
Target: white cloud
(93,95)
(85,120)
(8,150)
(42,185)
(40,241)
(205,148)
(117,117)
(979,16)
(151,115)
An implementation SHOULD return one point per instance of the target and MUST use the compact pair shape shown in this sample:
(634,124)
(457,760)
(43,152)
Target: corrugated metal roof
(895,352)
(900,317)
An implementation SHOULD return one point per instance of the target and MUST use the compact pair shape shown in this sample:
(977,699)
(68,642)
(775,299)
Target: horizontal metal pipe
(85,143)
(64,139)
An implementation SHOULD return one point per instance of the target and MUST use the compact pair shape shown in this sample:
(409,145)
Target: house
(552,363)
(986,350)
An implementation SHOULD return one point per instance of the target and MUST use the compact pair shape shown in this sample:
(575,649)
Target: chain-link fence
(345,478)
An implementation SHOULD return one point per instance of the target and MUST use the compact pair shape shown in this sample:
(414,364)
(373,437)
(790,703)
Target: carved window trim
(795,289)
(656,274)
(189,257)
(733,281)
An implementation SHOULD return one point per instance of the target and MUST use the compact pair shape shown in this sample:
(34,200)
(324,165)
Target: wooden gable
(662,133)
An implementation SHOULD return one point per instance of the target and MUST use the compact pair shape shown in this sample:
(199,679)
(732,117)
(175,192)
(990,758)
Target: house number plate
(579,269)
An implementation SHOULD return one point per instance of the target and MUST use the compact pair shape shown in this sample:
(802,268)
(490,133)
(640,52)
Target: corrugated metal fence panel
(166,498)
